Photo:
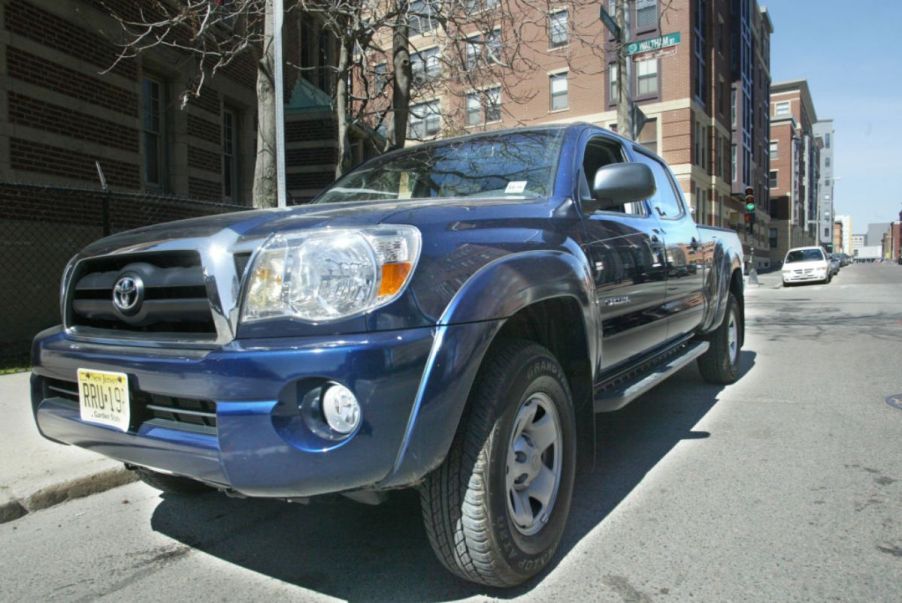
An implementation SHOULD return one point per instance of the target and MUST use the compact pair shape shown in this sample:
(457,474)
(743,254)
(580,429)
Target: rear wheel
(720,364)
(172,484)
(496,508)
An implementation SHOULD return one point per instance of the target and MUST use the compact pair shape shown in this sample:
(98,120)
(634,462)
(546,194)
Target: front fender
(465,331)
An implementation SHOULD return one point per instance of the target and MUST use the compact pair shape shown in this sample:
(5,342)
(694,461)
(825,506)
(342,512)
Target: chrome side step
(618,398)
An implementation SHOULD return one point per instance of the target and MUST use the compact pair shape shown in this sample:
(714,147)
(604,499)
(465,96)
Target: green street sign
(652,44)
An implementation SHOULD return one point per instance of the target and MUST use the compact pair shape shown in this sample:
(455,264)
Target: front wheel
(720,364)
(496,508)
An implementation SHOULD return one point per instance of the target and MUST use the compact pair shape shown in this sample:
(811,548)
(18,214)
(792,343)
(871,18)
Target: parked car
(835,264)
(447,317)
(805,265)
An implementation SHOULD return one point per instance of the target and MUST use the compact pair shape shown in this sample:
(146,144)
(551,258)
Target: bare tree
(488,50)
(211,35)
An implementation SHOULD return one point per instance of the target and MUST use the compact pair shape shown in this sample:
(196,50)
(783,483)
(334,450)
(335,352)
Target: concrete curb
(55,494)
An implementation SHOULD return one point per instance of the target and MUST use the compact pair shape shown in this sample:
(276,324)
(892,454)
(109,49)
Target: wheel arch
(545,296)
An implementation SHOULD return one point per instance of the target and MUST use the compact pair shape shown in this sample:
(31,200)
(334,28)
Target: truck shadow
(355,552)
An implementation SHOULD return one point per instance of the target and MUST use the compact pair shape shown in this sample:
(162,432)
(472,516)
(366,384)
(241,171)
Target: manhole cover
(895,401)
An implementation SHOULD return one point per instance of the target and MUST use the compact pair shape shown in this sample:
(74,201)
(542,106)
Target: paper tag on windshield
(515,187)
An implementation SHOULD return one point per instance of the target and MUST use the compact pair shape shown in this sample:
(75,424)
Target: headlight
(330,274)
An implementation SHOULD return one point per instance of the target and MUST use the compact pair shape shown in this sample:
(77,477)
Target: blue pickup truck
(448,317)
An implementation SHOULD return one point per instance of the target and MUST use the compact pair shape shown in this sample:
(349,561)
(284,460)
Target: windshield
(516,165)
(804,255)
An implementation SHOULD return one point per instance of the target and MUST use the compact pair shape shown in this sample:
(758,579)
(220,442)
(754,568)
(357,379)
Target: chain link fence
(41,227)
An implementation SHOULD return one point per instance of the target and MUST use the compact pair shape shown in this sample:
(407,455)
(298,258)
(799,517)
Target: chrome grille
(174,295)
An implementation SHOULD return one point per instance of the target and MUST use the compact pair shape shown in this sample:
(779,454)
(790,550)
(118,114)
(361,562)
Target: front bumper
(803,278)
(260,446)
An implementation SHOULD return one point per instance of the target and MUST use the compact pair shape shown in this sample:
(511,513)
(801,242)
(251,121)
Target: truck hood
(246,229)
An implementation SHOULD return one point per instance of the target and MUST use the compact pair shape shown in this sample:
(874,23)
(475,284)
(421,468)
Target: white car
(805,265)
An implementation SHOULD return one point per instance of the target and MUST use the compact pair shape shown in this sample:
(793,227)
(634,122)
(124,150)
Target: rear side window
(664,202)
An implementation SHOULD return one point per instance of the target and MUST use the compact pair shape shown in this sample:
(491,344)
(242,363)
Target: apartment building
(706,97)
(826,137)
(794,169)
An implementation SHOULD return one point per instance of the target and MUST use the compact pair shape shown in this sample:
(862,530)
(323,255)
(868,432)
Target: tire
(468,504)
(173,484)
(720,364)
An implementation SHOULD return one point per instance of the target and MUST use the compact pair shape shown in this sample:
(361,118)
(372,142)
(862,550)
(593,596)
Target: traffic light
(750,206)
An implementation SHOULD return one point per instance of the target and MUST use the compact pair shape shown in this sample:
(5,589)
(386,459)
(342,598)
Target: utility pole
(624,104)
(279,84)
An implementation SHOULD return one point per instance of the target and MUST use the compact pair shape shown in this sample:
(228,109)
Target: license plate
(103,398)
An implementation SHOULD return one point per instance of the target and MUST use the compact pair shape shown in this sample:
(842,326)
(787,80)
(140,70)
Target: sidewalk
(36,473)
(769,280)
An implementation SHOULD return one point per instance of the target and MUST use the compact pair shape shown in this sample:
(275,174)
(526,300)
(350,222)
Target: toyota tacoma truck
(447,317)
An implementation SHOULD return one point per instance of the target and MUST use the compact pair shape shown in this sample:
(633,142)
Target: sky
(850,54)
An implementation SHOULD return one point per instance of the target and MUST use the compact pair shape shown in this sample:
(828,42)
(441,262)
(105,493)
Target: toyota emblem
(128,293)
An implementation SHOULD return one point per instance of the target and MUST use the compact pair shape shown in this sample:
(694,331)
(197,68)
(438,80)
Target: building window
(421,16)
(425,65)
(827,140)
(613,94)
(473,45)
(492,98)
(474,109)
(699,52)
(781,109)
(493,46)
(733,106)
(493,105)
(152,131)
(559,97)
(774,150)
(558,29)
(826,162)
(229,154)
(646,15)
(425,120)
(733,164)
(772,179)
(474,6)
(647,77)
(489,50)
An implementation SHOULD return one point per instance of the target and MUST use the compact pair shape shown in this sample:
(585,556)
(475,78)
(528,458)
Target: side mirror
(617,184)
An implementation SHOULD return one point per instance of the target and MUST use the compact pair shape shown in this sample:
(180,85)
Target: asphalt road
(785,486)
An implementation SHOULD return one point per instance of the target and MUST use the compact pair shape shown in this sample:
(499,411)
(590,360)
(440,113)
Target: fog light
(341,409)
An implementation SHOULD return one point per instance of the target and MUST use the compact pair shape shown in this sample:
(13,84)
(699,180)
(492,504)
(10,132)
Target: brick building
(706,98)
(62,113)
(794,169)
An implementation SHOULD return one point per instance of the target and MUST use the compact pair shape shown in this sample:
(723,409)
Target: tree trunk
(265,165)
(341,105)
(402,76)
